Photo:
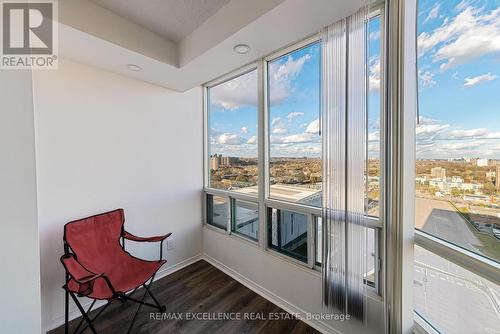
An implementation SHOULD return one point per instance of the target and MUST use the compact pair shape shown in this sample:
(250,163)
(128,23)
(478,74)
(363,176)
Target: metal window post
(400,116)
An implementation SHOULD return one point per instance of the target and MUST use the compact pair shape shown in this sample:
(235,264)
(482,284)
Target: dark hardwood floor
(193,291)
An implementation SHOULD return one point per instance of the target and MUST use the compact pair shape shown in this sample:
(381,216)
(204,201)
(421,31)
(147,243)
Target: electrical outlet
(171,243)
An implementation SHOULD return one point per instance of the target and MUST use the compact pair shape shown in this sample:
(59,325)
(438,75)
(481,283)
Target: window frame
(263,199)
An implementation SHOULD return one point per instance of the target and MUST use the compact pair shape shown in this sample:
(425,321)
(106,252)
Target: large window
(294,126)
(264,168)
(232,132)
(458,160)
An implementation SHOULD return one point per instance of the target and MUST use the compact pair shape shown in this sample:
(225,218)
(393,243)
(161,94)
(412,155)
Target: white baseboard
(272,297)
(75,313)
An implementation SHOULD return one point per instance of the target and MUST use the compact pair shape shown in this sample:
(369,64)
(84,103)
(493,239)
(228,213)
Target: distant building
(218,160)
(497,178)
(227,161)
(215,161)
(421,179)
(455,182)
(490,175)
(492,162)
(438,173)
(482,162)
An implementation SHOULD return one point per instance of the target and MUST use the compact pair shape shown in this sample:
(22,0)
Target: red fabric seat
(95,242)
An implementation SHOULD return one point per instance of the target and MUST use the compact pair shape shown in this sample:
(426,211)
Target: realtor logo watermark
(29,34)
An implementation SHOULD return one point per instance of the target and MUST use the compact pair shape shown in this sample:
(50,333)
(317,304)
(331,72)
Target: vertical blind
(344,124)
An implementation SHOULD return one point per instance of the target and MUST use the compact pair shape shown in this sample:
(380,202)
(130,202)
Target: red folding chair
(98,267)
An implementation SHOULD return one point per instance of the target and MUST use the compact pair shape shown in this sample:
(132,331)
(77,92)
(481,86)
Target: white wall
(104,141)
(290,286)
(19,251)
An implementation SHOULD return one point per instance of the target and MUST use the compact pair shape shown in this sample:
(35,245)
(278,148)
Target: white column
(20,309)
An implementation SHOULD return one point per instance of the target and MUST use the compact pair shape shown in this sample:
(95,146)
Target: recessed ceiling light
(133,67)
(241,48)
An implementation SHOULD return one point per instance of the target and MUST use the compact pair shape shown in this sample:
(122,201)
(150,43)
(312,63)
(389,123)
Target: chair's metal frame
(117,295)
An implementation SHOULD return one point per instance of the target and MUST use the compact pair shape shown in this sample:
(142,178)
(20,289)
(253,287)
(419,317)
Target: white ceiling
(171,19)
(91,34)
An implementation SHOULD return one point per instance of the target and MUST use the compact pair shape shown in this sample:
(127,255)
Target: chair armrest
(76,270)
(130,236)
(82,275)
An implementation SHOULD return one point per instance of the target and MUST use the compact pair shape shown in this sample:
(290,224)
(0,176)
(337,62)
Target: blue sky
(294,88)
(459,88)
(459,65)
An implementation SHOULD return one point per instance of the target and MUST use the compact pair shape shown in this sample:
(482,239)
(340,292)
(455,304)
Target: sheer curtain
(344,90)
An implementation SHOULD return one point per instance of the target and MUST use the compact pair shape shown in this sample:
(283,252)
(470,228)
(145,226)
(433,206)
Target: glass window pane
(319,240)
(294,129)
(370,256)
(458,135)
(370,247)
(232,134)
(217,211)
(287,233)
(374,103)
(246,219)
(453,299)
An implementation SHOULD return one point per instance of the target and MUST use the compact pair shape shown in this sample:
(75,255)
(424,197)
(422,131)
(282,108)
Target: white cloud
(227,139)
(280,131)
(252,140)
(469,82)
(278,127)
(310,135)
(275,121)
(471,34)
(374,136)
(436,139)
(374,73)
(426,130)
(313,127)
(433,13)
(296,150)
(374,35)
(293,115)
(236,93)
(293,139)
(244,129)
(481,133)
(429,128)
(281,77)
(458,147)
(426,79)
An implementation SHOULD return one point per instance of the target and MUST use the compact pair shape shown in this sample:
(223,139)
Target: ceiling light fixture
(241,48)
(134,67)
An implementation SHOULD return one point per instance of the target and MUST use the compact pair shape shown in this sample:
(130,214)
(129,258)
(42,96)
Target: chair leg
(162,308)
(141,302)
(66,313)
(84,314)
(94,318)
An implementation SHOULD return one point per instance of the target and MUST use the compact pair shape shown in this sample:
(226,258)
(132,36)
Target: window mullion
(261,153)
